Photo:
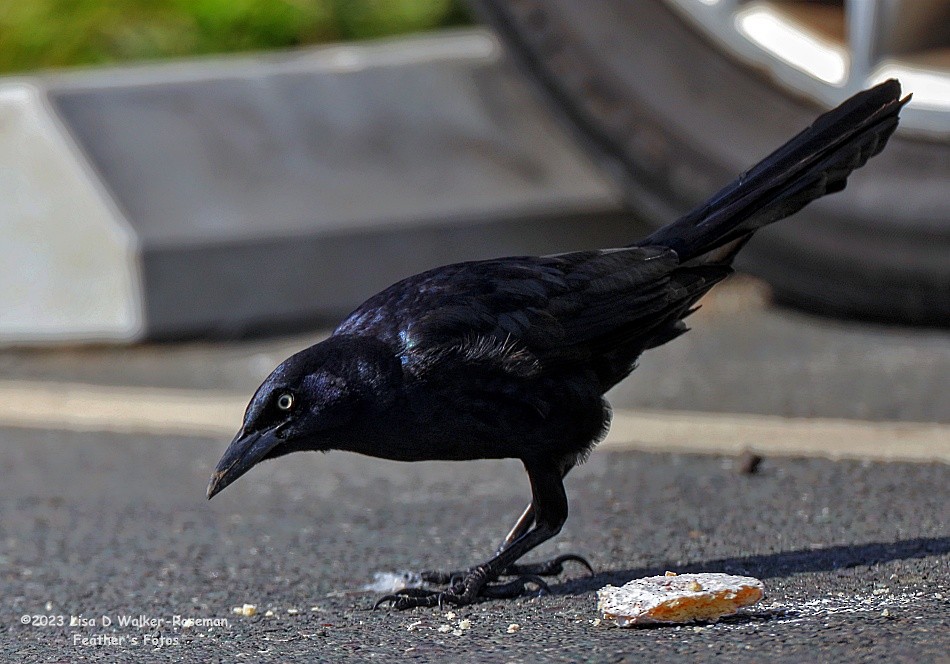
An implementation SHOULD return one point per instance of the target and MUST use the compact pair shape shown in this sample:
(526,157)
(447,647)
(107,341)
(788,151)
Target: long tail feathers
(814,163)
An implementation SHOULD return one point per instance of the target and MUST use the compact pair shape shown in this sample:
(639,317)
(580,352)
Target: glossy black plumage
(510,358)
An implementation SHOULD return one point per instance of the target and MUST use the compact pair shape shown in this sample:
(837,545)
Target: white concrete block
(68,262)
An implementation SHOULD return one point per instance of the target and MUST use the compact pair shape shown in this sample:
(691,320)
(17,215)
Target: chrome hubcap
(831,49)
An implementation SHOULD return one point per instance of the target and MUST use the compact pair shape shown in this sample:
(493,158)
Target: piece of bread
(677,598)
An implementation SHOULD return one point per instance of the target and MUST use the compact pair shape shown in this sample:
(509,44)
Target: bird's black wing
(521,313)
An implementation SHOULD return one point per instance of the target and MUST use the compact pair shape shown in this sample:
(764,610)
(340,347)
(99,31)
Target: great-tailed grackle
(510,358)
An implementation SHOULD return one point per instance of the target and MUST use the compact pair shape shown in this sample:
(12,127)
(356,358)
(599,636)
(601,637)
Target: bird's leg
(551,567)
(550,511)
(524,522)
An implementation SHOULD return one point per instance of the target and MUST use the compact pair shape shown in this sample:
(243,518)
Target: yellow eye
(285,401)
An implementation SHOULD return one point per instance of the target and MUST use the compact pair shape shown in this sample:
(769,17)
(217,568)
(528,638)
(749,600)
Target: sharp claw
(573,557)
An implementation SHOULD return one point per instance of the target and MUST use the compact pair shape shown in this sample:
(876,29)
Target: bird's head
(310,402)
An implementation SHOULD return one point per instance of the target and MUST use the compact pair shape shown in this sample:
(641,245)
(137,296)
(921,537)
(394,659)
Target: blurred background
(174,170)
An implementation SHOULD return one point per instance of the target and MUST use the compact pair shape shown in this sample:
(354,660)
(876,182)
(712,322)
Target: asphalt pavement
(110,552)
(855,556)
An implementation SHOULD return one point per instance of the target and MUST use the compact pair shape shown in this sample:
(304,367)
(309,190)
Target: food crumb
(268,613)
(450,615)
(293,612)
(669,573)
(695,586)
(465,623)
(513,627)
(247,610)
(445,628)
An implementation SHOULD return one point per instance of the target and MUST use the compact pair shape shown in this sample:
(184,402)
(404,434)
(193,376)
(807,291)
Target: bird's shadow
(772,565)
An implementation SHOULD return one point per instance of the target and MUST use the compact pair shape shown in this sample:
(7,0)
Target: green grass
(42,34)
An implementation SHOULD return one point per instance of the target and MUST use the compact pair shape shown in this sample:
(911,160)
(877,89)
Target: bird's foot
(474,586)
(551,567)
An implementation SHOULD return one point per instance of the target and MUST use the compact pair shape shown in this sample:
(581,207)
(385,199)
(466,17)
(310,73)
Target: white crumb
(247,610)
(393,582)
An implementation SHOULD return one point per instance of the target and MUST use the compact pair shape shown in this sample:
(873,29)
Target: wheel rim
(831,49)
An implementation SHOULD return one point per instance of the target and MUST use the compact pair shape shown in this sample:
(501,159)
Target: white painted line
(731,433)
(146,410)
(218,414)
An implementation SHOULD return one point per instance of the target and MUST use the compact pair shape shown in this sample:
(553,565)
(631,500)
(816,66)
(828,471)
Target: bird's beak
(244,451)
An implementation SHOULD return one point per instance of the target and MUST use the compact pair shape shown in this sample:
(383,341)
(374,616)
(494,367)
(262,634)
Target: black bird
(511,357)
